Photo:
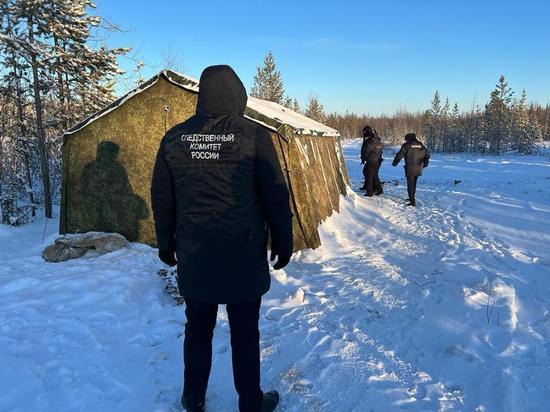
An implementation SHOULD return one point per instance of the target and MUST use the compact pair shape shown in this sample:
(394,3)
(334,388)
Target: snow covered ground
(446,306)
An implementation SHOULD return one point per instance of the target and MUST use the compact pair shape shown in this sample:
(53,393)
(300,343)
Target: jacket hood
(410,137)
(221,92)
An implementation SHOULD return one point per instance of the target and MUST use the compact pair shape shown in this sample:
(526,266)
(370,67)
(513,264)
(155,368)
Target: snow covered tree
(520,131)
(432,127)
(457,138)
(474,135)
(291,103)
(296,106)
(445,129)
(497,118)
(268,84)
(45,47)
(526,130)
(315,110)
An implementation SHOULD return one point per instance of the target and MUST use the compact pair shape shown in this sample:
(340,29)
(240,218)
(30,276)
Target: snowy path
(446,306)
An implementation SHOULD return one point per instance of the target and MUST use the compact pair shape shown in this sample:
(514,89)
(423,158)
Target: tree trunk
(40,133)
(545,134)
(1,177)
(23,133)
(61,89)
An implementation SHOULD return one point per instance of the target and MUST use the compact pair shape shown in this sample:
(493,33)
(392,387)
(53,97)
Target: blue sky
(361,56)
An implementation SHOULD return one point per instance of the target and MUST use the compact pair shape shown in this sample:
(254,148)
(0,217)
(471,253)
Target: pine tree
(520,130)
(456,132)
(291,103)
(474,138)
(267,81)
(432,128)
(535,133)
(445,126)
(44,45)
(287,102)
(296,106)
(315,110)
(497,118)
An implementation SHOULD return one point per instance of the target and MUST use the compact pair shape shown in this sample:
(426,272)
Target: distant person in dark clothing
(217,188)
(371,157)
(417,158)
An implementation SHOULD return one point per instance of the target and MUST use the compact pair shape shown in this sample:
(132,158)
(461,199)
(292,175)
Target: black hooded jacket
(217,186)
(371,150)
(416,157)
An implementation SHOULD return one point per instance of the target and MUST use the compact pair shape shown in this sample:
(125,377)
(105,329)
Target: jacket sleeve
(364,150)
(273,194)
(163,202)
(400,154)
(427,158)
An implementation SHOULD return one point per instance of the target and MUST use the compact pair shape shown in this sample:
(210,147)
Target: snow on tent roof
(268,114)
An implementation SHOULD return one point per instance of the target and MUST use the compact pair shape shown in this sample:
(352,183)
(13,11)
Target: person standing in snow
(417,158)
(217,188)
(371,158)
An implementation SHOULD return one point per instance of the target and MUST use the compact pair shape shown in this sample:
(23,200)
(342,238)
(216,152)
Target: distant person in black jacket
(217,188)
(417,158)
(371,157)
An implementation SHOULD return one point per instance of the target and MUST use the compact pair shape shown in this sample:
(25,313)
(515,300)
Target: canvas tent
(109,157)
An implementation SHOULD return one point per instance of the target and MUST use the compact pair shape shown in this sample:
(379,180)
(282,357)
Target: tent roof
(268,114)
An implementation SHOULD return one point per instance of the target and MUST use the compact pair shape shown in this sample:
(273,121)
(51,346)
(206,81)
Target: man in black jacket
(217,187)
(417,158)
(371,157)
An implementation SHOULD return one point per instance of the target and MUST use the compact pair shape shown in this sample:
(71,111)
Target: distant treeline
(504,123)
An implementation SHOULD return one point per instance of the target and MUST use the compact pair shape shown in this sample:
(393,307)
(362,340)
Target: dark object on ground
(76,245)
(170,278)
(409,203)
(245,344)
(217,183)
(270,401)
(168,257)
(458,181)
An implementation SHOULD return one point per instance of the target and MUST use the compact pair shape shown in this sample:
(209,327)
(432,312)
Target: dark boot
(270,401)
(192,408)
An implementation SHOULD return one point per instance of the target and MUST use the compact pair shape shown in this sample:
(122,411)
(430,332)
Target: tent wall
(110,192)
(136,127)
(317,176)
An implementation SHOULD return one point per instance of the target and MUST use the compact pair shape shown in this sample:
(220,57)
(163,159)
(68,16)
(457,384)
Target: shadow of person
(109,203)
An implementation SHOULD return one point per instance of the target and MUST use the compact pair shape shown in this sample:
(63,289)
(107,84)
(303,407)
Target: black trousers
(372,181)
(245,345)
(411,187)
